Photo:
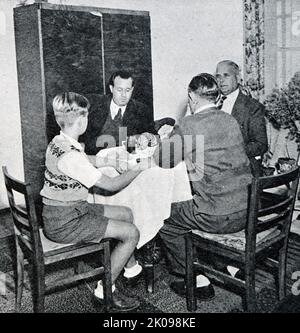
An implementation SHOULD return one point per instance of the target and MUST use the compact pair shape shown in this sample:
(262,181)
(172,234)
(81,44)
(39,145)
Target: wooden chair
(267,230)
(31,243)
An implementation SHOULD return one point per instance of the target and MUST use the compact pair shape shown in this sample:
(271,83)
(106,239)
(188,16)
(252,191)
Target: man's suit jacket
(211,144)
(249,113)
(137,119)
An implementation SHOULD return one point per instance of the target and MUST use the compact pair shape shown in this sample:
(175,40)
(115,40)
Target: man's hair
(123,75)
(206,86)
(232,64)
(68,107)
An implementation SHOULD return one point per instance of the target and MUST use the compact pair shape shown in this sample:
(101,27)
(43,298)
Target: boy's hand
(122,159)
(121,166)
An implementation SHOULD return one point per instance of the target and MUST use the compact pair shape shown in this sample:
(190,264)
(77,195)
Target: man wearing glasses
(248,112)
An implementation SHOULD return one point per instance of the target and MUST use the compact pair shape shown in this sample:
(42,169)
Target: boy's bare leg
(123,214)
(128,236)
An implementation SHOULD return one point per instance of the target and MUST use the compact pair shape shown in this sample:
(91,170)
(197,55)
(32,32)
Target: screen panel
(127,45)
(72,51)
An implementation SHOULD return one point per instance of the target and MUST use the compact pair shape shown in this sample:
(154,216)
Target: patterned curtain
(254,47)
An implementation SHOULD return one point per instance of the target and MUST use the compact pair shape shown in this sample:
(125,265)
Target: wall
(188,37)
(10,127)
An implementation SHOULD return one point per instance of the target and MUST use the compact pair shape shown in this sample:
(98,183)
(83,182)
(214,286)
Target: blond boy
(68,217)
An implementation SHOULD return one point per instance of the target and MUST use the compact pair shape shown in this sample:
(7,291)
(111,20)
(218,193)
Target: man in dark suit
(114,117)
(248,112)
(211,144)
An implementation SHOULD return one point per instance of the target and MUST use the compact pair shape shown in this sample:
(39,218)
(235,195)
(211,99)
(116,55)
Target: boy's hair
(206,86)
(68,107)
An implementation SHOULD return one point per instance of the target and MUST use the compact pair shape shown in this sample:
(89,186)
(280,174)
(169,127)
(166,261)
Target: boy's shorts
(78,223)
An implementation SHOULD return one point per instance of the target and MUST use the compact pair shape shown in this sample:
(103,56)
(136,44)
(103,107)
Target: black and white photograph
(149,154)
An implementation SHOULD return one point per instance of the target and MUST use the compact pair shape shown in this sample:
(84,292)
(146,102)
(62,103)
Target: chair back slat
(276,207)
(278,180)
(276,211)
(21,223)
(19,215)
(21,212)
(24,218)
(273,221)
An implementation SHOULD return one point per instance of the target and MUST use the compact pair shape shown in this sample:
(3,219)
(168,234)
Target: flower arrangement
(283,107)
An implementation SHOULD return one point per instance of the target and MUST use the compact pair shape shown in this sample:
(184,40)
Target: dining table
(149,196)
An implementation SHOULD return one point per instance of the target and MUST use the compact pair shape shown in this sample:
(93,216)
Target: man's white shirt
(204,107)
(228,103)
(114,108)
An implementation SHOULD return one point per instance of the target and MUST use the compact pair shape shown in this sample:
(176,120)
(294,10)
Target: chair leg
(190,276)
(149,276)
(107,284)
(148,264)
(19,277)
(39,287)
(250,288)
(78,269)
(282,272)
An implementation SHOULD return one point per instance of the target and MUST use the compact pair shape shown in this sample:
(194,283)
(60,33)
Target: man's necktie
(118,116)
(220,102)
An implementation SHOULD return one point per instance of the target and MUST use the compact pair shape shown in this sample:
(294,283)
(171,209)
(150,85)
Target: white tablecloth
(150,196)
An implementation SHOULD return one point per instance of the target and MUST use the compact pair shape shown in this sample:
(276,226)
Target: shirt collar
(114,108)
(204,107)
(74,142)
(232,96)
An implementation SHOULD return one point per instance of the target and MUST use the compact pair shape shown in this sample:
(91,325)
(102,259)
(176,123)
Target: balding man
(248,112)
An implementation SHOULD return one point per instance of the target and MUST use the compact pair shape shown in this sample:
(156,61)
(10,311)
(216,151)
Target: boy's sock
(99,292)
(202,281)
(132,271)
(232,270)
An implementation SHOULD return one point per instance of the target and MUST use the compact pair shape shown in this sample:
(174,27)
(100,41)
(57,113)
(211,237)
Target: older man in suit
(114,117)
(248,112)
(211,144)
